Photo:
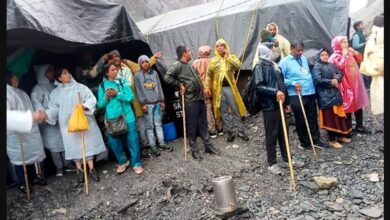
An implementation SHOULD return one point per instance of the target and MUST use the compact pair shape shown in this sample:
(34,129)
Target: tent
(239,22)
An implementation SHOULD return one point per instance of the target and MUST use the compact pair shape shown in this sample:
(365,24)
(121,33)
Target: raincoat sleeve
(53,109)
(341,61)
(88,100)
(102,102)
(260,86)
(209,75)
(286,47)
(19,121)
(37,96)
(318,79)
(125,94)
(171,75)
(338,74)
(97,68)
(233,60)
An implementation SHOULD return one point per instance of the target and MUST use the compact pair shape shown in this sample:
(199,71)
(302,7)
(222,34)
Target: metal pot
(225,195)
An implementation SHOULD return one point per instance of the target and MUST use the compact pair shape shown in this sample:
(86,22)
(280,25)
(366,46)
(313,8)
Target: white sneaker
(274,169)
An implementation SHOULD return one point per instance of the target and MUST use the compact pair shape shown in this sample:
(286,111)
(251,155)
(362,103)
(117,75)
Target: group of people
(132,93)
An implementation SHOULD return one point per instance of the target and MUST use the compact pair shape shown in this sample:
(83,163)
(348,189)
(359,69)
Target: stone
(339,200)
(372,212)
(373,177)
(235,146)
(60,210)
(335,208)
(356,194)
(309,185)
(325,182)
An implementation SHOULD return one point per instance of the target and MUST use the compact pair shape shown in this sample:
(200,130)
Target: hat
(142,59)
(114,52)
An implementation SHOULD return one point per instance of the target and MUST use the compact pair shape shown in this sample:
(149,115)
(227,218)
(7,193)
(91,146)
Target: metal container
(225,195)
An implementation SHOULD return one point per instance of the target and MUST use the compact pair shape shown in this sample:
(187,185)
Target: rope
(247,37)
(217,24)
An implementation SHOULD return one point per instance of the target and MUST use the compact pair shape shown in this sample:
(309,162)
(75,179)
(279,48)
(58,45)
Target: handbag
(116,127)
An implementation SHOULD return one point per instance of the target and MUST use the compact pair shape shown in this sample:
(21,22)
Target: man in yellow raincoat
(226,95)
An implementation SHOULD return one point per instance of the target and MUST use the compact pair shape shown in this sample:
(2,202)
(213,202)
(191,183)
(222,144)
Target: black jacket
(176,75)
(322,74)
(267,82)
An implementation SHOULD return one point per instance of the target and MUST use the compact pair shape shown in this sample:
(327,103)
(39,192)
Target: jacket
(268,82)
(119,105)
(323,73)
(51,135)
(218,69)
(174,76)
(63,100)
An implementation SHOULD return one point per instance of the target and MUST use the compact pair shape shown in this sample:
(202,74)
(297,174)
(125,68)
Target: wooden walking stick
(184,126)
(24,166)
(307,126)
(15,104)
(293,185)
(84,163)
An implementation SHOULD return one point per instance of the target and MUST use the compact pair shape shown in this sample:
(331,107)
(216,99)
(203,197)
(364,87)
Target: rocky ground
(172,188)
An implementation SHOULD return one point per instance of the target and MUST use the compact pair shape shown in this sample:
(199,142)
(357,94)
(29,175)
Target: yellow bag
(78,121)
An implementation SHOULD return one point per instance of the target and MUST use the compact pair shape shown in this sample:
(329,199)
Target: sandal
(344,140)
(138,169)
(335,144)
(122,168)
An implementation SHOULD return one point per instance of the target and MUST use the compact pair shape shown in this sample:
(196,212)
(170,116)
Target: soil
(174,188)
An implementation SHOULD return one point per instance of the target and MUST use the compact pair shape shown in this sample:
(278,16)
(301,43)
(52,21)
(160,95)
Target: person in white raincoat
(51,134)
(18,100)
(63,101)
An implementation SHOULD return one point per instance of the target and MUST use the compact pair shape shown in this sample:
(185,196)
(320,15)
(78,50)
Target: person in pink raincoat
(352,87)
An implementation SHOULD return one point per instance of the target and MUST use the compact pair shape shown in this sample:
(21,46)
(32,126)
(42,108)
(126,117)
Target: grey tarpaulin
(62,25)
(315,22)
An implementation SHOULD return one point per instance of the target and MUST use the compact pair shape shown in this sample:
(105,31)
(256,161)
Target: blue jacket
(119,105)
(294,73)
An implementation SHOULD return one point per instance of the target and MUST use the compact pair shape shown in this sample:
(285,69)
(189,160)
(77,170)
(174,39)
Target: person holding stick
(25,149)
(298,81)
(63,99)
(182,75)
(268,83)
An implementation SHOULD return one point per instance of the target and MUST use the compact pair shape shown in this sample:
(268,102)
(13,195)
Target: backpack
(250,97)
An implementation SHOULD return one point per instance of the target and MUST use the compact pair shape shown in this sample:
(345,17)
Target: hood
(221,41)
(264,52)
(336,44)
(317,56)
(72,82)
(204,51)
(276,27)
(40,73)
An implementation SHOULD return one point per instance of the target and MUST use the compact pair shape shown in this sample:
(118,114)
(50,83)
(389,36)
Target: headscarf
(204,51)
(221,41)
(336,44)
(264,52)
(318,55)
(114,52)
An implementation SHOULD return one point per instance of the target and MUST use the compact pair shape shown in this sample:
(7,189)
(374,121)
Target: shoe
(59,172)
(363,130)
(24,190)
(80,176)
(231,136)
(39,181)
(344,140)
(295,163)
(335,144)
(220,133)
(320,144)
(213,135)
(196,155)
(70,167)
(304,147)
(212,150)
(94,174)
(138,169)
(154,151)
(275,169)
(122,168)
(243,136)
(166,147)
(145,153)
